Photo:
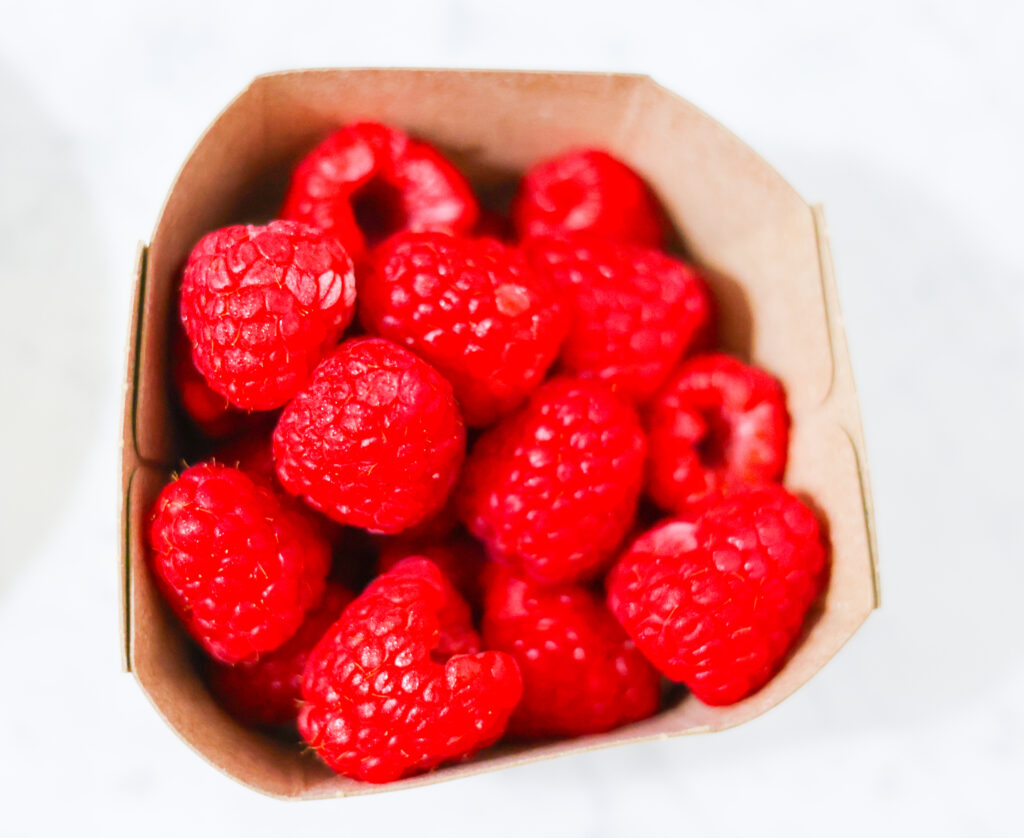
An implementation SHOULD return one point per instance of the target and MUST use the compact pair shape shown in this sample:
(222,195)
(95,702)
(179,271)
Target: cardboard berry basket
(764,249)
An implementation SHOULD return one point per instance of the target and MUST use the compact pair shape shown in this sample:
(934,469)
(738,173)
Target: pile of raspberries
(565,497)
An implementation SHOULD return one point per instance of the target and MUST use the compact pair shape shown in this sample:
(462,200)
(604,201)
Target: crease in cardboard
(129,449)
(837,332)
(126,582)
(137,343)
(869,518)
(827,289)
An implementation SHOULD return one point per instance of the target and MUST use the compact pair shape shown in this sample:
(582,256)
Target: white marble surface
(904,118)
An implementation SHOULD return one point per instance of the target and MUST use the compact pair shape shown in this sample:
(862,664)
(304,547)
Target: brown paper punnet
(766,253)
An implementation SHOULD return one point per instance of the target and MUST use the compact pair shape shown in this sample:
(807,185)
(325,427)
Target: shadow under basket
(766,255)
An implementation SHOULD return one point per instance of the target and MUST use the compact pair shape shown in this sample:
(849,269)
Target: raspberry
(268,691)
(588,191)
(459,557)
(367,181)
(633,311)
(382,701)
(207,409)
(716,425)
(262,305)
(374,440)
(239,566)
(716,600)
(552,489)
(581,673)
(471,308)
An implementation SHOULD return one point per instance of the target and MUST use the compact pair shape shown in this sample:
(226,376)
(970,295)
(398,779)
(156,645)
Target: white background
(905,119)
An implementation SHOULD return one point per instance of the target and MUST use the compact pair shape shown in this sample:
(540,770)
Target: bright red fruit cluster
(513,586)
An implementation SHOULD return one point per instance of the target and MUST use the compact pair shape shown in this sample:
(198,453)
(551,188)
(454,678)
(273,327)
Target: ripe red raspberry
(588,191)
(268,691)
(581,673)
(367,181)
(262,305)
(633,311)
(207,409)
(236,563)
(459,557)
(382,701)
(470,307)
(716,600)
(716,425)
(553,488)
(374,440)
